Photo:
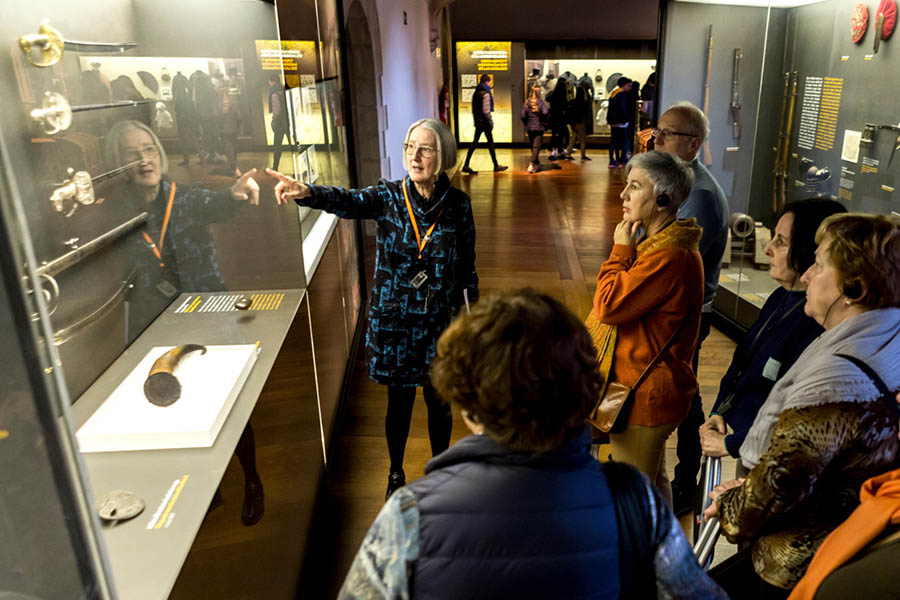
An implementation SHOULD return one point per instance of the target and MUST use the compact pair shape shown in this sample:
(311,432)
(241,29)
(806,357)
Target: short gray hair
(697,121)
(669,174)
(444,141)
(114,152)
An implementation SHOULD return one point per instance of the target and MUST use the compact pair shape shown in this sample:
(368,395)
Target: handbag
(612,411)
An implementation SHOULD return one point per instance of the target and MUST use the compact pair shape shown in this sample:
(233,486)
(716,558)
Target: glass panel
(474,59)
(149,193)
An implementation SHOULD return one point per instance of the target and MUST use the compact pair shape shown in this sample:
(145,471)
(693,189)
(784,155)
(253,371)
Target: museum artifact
(162,387)
(707,153)
(885,20)
(50,44)
(736,94)
(119,505)
(243,303)
(859,22)
(54,115)
(786,149)
(149,81)
(776,170)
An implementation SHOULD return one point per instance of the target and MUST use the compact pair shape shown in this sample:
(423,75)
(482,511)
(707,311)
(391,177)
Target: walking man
(482,107)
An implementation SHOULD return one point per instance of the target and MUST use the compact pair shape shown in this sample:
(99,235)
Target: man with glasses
(482,107)
(681,131)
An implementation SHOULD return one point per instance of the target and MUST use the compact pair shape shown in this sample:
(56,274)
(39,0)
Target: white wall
(411,74)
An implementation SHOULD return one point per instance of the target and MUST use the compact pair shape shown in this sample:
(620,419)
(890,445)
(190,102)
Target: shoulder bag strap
(662,351)
(886,394)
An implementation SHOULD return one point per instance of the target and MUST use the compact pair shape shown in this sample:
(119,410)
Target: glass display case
(800,105)
(135,138)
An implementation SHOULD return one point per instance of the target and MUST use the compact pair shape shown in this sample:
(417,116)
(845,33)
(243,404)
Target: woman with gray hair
(646,313)
(424,273)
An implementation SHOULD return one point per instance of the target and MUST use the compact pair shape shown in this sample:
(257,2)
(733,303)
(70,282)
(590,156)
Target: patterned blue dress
(405,321)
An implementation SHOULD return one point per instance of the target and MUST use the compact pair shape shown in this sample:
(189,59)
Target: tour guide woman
(424,272)
(648,292)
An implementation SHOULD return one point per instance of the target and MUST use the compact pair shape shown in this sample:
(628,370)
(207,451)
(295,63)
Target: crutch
(709,531)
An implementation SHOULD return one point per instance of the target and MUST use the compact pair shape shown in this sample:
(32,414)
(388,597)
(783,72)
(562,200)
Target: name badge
(770,371)
(418,280)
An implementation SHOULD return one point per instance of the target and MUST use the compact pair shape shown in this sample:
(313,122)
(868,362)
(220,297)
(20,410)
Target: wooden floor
(550,231)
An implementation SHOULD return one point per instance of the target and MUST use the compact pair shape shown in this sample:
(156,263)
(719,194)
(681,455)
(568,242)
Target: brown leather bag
(612,411)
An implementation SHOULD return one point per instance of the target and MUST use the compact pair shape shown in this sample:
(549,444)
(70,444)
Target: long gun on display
(776,169)
(736,95)
(707,153)
(785,151)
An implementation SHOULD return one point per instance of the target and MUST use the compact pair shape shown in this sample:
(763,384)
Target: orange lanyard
(157,248)
(419,241)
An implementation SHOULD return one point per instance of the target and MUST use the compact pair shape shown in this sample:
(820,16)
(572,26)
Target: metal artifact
(879,27)
(243,303)
(736,94)
(50,44)
(868,134)
(119,505)
(54,115)
(785,151)
(162,387)
(707,153)
(776,170)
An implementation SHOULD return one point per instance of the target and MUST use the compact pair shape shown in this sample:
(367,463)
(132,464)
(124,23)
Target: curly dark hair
(523,366)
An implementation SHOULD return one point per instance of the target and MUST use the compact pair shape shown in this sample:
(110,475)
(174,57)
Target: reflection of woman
(424,267)
(648,291)
(177,252)
(534,113)
(520,509)
(781,332)
(825,426)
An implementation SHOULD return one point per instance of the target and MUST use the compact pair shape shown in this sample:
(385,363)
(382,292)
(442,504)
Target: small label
(770,371)
(794,155)
(869,56)
(732,148)
(845,58)
(887,188)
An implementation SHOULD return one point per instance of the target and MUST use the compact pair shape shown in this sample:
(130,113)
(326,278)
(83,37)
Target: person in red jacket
(651,284)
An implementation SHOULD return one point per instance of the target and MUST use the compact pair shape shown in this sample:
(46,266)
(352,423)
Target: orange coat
(646,293)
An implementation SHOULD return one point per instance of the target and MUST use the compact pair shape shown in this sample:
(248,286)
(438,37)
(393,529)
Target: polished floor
(550,231)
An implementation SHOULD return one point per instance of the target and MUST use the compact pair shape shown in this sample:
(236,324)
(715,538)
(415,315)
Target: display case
(800,103)
(135,137)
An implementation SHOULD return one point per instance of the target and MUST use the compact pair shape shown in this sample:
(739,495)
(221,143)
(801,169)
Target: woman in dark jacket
(579,113)
(424,273)
(520,509)
(534,114)
(780,334)
(559,103)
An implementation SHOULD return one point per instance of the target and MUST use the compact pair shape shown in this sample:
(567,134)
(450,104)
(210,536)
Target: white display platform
(210,383)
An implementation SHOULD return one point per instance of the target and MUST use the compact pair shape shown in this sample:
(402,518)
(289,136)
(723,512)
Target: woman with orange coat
(649,290)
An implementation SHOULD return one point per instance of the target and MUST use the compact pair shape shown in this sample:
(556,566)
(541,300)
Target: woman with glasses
(175,251)
(424,273)
(780,334)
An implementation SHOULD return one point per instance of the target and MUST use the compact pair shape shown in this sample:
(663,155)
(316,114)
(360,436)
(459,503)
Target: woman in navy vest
(520,509)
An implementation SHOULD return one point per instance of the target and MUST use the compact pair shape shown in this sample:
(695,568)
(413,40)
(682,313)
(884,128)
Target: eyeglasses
(412,149)
(135,154)
(659,133)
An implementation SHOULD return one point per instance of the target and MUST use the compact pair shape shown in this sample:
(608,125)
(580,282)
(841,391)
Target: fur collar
(683,233)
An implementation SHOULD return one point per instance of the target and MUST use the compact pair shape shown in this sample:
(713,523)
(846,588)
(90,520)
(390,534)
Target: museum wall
(822,48)
(683,77)
(560,20)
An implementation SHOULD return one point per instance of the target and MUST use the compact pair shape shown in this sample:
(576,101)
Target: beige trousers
(645,448)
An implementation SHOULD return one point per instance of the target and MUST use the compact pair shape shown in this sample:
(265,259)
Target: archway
(364,95)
